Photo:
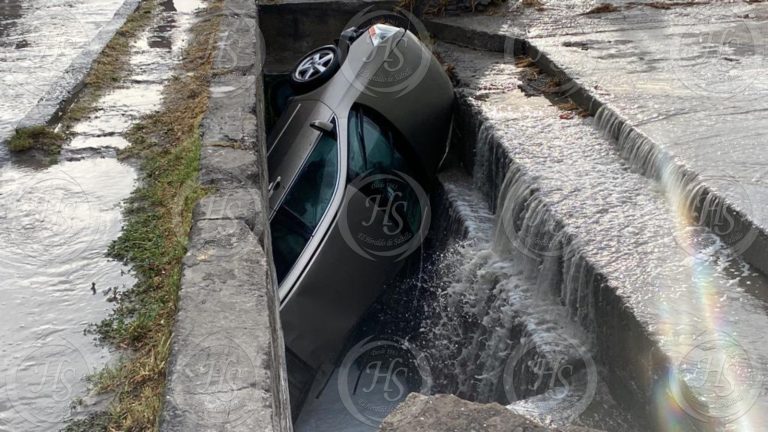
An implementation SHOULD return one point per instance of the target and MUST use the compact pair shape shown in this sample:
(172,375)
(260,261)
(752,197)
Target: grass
(36,138)
(158,216)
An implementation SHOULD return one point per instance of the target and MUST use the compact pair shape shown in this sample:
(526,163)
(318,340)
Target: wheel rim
(314,65)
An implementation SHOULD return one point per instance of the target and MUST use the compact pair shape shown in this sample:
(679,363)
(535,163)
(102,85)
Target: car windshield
(304,205)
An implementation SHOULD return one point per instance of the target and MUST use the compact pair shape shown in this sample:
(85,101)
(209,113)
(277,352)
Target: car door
(290,143)
(381,221)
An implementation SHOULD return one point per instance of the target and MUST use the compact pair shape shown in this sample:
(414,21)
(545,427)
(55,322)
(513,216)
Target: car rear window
(304,205)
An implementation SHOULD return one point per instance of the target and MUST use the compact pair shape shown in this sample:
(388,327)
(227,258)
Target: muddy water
(56,221)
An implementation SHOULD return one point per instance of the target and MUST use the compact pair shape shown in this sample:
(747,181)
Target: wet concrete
(681,89)
(605,243)
(227,369)
(448,413)
(45,51)
(58,219)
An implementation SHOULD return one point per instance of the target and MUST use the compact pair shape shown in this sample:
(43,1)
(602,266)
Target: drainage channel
(555,280)
(58,218)
(667,320)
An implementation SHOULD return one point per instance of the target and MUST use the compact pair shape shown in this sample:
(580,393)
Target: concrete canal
(59,215)
(575,271)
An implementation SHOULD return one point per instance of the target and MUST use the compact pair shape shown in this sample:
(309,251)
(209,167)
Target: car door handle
(274,185)
(323,127)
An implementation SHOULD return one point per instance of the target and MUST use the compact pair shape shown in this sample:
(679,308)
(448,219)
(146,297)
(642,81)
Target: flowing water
(57,219)
(595,266)
(575,279)
(38,41)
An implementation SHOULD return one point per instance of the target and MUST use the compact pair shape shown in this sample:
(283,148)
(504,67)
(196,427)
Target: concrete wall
(227,367)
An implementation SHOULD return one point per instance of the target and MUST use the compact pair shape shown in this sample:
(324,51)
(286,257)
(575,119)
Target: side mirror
(323,127)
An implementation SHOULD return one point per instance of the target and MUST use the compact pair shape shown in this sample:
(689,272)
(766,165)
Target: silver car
(351,161)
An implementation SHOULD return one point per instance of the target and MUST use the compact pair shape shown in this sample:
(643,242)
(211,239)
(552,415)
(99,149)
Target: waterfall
(699,201)
(515,281)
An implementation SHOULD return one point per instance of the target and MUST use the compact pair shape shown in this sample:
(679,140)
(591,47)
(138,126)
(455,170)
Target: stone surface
(233,205)
(447,413)
(227,369)
(241,46)
(230,119)
(228,168)
(219,374)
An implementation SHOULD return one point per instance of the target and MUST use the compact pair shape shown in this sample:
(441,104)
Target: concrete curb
(227,369)
(625,135)
(64,92)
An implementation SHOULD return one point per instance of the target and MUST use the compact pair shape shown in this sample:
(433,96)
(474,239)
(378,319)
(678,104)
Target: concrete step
(680,90)
(669,320)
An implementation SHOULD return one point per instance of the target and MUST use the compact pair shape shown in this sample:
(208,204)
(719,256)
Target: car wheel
(315,69)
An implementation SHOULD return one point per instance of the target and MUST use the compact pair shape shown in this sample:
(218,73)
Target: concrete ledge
(63,93)
(219,374)
(635,363)
(632,143)
(446,413)
(230,119)
(227,369)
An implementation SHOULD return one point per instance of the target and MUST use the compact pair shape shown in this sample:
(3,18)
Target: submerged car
(351,160)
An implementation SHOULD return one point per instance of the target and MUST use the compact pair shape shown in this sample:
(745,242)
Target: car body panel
(332,284)
(336,289)
(293,138)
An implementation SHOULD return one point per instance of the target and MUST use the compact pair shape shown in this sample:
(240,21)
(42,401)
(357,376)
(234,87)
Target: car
(351,161)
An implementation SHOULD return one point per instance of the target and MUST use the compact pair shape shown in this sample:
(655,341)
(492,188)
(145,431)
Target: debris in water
(602,8)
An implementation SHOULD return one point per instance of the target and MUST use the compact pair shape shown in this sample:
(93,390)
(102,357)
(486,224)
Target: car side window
(356,160)
(374,149)
(371,146)
(304,204)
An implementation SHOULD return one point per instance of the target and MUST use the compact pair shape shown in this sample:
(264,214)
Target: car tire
(315,69)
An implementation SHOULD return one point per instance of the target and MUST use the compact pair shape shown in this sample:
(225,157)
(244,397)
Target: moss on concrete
(36,138)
